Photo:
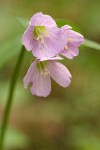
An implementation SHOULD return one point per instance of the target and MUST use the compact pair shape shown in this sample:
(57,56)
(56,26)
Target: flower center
(43,68)
(39,33)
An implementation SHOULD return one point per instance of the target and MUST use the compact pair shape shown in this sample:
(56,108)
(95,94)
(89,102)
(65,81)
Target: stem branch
(10,97)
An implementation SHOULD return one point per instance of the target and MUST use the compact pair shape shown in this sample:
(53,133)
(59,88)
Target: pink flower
(43,37)
(73,41)
(39,75)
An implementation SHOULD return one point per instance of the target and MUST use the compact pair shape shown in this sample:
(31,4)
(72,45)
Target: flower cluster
(47,43)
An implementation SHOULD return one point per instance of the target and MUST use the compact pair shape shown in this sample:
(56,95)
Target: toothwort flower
(43,36)
(40,72)
(73,41)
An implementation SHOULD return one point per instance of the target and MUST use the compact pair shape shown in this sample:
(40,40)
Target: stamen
(43,68)
(69,40)
(39,33)
(42,40)
(65,47)
(46,73)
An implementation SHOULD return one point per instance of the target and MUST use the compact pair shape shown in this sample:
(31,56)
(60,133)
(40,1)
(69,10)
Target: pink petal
(59,73)
(70,52)
(74,38)
(30,76)
(41,85)
(27,39)
(54,42)
(40,19)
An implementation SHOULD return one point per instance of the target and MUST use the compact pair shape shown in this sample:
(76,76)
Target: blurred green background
(68,119)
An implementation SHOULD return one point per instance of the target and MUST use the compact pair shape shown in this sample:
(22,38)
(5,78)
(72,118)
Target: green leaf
(9,49)
(91,44)
(24,22)
(62,22)
(15,139)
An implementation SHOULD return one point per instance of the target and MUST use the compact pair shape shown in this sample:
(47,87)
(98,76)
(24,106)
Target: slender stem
(10,97)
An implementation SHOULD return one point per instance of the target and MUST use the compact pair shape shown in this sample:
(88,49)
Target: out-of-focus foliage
(15,137)
(69,118)
(9,48)
(91,44)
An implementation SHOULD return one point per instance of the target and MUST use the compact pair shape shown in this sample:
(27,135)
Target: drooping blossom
(41,71)
(73,41)
(43,36)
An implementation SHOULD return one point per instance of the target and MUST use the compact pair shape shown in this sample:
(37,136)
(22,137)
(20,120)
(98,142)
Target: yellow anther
(69,40)
(65,47)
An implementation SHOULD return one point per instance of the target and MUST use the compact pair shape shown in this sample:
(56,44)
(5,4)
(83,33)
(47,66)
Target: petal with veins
(70,52)
(27,38)
(30,76)
(41,85)
(60,73)
(43,20)
(54,42)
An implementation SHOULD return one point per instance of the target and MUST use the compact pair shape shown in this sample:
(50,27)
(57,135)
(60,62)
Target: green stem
(10,97)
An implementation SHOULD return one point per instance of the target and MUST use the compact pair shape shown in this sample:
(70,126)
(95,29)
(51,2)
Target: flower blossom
(73,41)
(43,37)
(39,75)
(47,42)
